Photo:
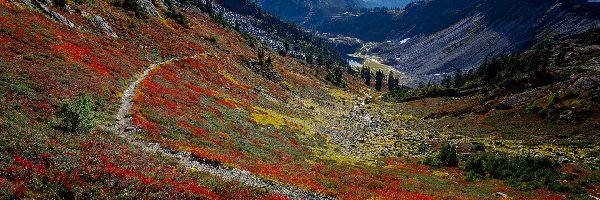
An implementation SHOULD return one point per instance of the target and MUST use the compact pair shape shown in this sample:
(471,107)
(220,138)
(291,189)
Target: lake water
(354,61)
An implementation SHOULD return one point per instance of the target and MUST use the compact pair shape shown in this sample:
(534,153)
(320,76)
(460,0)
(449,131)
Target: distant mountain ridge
(300,10)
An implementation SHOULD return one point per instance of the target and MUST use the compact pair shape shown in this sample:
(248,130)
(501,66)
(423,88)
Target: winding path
(125,128)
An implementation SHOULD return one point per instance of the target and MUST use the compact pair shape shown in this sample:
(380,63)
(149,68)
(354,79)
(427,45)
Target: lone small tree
(78,116)
(60,3)
(447,81)
(135,6)
(445,157)
(458,79)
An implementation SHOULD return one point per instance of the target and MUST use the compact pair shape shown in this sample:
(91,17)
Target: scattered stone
(46,2)
(69,9)
(563,159)
(130,129)
(500,194)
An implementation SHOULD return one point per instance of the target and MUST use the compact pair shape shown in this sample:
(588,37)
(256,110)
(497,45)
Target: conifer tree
(379,80)
(391,81)
(261,57)
(458,78)
(368,76)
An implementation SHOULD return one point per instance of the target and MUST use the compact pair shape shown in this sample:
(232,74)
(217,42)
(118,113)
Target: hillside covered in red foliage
(210,102)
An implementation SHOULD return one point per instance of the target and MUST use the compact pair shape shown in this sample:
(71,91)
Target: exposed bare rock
(43,5)
(57,16)
(444,51)
(579,83)
(149,8)
(103,25)
(69,9)
(520,99)
(583,83)
(27,2)
(161,4)
(481,34)
(46,2)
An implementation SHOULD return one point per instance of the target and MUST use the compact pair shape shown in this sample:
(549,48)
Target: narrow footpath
(125,128)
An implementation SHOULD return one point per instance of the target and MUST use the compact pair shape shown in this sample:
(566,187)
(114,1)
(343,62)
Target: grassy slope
(212,106)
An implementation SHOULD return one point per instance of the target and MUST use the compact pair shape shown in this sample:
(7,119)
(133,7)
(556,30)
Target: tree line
(392,81)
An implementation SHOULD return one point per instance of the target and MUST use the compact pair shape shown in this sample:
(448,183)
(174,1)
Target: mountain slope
(380,25)
(489,29)
(459,34)
(204,111)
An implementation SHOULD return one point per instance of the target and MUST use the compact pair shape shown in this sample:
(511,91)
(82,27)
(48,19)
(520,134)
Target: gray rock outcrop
(149,8)
(100,23)
(55,15)
(43,6)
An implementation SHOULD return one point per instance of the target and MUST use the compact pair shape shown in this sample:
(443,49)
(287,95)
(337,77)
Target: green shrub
(178,17)
(478,147)
(533,108)
(522,172)
(78,116)
(445,157)
(590,180)
(421,91)
(475,165)
(60,3)
(472,176)
(135,6)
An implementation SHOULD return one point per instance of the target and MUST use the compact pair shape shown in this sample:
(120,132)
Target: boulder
(585,83)
(500,194)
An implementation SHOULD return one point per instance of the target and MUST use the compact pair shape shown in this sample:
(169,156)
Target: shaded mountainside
(489,29)
(377,25)
(300,10)
(458,34)
(284,37)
